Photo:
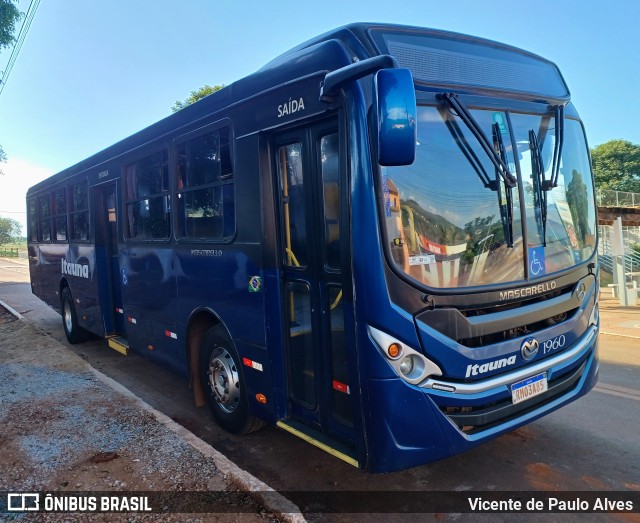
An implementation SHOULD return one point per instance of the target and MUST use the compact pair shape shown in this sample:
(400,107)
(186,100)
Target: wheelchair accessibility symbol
(536,261)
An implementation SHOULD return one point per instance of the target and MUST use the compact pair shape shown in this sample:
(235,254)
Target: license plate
(528,388)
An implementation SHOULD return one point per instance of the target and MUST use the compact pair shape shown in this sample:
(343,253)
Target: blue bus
(383,241)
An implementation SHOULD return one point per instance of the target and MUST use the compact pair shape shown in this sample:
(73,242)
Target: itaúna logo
(75,269)
(474,370)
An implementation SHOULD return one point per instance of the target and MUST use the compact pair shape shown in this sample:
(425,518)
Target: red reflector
(253,364)
(341,387)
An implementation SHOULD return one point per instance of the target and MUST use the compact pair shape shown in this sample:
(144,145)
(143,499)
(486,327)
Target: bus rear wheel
(223,382)
(73,331)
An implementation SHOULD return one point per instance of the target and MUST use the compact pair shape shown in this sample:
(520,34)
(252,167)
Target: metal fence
(617,199)
(631,238)
(10,252)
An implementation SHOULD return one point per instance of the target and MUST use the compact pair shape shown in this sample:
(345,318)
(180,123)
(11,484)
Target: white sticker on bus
(75,269)
(423,259)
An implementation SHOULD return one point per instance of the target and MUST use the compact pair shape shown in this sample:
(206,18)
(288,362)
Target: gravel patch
(64,430)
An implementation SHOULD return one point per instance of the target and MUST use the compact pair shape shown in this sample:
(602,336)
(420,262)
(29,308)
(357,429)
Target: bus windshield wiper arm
(506,210)
(557,149)
(470,154)
(539,186)
(463,113)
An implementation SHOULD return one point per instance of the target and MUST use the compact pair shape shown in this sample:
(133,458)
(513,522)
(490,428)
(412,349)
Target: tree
(10,231)
(9,16)
(578,205)
(205,90)
(616,166)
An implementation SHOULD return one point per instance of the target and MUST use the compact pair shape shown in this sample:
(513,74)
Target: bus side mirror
(395,106)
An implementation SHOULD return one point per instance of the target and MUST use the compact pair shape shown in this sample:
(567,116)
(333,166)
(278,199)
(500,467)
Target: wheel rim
(224,380)
(68,317)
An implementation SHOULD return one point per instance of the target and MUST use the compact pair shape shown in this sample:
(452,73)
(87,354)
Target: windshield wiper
(506,209)
(469,153)
(557,149)
(497,155)
(539,184)
(463,113)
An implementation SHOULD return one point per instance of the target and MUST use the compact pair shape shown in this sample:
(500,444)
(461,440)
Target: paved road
(592,444)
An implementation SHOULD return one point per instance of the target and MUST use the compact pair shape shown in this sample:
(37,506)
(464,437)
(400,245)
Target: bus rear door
(106,240)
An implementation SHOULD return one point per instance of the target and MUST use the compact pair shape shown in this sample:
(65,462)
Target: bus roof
(329,51)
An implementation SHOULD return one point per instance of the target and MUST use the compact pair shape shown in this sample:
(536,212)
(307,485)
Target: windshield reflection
(445,226)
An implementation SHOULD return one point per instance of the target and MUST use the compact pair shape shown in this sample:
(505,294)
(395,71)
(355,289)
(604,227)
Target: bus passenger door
(106,227)
(316,289)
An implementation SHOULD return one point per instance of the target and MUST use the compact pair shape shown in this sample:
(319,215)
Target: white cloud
(19,175)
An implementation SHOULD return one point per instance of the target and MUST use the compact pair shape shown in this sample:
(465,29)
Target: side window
(44,206)
(79,212)
(147,200)
(206,207)
(292,188)
(32,222)
(330,167)
(59,213)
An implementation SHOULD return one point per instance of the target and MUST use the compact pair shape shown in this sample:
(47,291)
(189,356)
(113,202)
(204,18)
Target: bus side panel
(75,264)
(51,272)
(227,278)
(249,325)
(34,270)
(226,281)
(84,290)
(148,285)
(159,340)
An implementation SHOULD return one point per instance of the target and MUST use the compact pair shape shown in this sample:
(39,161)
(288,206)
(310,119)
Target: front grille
(489,324)
(482,417)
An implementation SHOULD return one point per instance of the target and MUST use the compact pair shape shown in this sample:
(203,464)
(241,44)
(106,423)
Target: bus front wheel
(73,331)
(223,383)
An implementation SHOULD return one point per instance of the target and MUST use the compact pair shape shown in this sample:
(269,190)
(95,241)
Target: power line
(24,29)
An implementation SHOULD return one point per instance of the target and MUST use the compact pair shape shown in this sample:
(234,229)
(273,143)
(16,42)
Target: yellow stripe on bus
(319,444)
(122,349)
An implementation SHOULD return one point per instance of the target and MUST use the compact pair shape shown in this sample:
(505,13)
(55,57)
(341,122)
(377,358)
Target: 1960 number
(553,344)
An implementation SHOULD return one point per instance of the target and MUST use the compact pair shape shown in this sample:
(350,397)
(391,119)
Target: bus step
(320,440)
(119,343)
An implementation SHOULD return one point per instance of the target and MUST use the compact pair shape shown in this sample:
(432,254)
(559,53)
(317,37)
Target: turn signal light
(261,398)
(394,350)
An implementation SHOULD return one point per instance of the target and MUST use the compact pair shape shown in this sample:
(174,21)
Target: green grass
(9,250)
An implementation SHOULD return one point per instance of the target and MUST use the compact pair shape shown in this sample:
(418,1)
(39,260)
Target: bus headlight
(406,365)
(406,362)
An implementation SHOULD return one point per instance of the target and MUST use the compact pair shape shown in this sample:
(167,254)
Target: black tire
(75,333)
(223,382)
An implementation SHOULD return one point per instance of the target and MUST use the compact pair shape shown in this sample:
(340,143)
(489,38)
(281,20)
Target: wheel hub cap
(224,380)
(68,320)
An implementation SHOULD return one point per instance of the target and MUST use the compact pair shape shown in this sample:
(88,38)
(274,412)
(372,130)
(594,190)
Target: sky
(92,73)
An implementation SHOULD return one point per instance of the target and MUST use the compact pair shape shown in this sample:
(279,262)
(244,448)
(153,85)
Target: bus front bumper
(413,425)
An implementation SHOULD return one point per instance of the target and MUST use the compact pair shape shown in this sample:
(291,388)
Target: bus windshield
(449,217)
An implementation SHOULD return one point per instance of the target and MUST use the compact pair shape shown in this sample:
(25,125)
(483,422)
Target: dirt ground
(62,429)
